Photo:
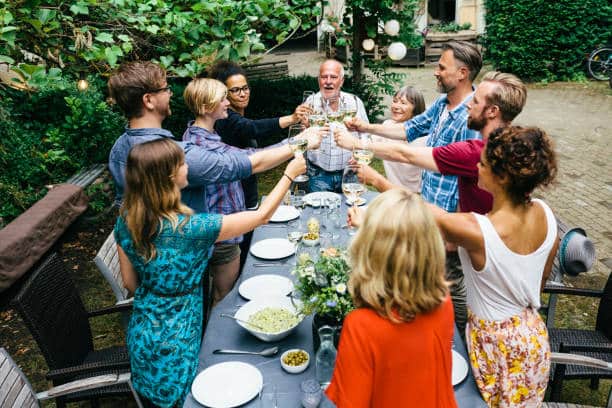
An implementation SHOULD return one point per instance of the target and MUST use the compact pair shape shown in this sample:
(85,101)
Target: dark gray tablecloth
(225,333)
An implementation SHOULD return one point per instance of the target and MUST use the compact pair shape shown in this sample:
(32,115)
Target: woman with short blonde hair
(203,95)
(397,343)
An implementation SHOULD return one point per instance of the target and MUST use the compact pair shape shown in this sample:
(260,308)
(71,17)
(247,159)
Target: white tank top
(509,282)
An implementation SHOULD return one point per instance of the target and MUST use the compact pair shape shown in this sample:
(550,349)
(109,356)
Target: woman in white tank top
(506,256)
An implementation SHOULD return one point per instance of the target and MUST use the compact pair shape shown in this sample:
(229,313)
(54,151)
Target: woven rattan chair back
(107,261)
(604,313)
(15,389)
(51,308)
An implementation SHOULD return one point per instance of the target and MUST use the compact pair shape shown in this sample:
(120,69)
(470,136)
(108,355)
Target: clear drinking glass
(352,188)
(297,199)
(298,144)
(311,393)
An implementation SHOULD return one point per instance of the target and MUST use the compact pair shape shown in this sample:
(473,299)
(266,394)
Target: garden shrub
(544,40)
(47,136)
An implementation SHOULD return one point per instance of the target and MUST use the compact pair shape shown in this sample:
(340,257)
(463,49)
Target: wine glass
(351,187)
(306,95)
(298,144)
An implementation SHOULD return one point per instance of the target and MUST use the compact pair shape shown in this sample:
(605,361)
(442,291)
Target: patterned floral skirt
(510,358)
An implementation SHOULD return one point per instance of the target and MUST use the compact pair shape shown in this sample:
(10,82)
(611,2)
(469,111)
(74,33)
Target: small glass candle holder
(311,393)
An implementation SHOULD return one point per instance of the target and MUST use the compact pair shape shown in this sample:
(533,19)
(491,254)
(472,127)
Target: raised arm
(419,156)
(242,222)
(266,159)
(391,131)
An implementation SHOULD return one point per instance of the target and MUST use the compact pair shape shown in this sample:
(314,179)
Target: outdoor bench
(267,70)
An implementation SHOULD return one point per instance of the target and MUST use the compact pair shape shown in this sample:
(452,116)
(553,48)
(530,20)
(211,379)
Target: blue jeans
(322,180)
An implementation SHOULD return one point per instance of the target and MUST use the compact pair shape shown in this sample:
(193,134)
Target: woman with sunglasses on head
(163,254)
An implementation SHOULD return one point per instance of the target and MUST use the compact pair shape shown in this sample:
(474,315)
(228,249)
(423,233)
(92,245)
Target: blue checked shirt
(438,189)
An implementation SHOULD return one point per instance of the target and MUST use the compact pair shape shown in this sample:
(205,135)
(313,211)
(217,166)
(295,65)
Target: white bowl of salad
(272,318)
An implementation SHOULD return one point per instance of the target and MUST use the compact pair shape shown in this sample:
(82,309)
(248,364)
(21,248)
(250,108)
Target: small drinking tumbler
(311,393)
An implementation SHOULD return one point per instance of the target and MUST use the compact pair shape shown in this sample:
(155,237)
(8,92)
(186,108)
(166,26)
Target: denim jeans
(321,180)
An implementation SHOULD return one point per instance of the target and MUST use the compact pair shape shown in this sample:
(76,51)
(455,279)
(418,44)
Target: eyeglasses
(164,89)
(237,90)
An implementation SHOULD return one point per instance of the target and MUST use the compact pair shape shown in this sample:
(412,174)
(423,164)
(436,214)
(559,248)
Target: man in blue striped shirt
(444,122)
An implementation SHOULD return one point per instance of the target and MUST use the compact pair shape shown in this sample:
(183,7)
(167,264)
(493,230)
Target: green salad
(273,320)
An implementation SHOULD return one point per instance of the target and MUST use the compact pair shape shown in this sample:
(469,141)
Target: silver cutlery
(257,264)
(242,321)
(269,352)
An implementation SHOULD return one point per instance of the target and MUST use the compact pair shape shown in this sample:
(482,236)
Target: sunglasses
(164,89)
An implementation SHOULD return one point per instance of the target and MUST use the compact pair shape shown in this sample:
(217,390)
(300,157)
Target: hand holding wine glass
(351,186)
(298,143)
(344,139)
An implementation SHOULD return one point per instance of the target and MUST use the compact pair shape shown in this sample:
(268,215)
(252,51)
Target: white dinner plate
(285,213)
(273,248)
(460,368)
(319,195)
(265,286)
(360,201)
(227,385)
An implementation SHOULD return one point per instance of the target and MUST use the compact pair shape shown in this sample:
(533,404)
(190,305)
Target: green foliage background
(543,40)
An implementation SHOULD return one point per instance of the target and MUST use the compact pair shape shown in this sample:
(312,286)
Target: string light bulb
(82,83)
(392,27)
(397,51)
(368,44)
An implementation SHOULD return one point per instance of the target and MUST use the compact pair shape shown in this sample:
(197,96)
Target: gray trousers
(454,274)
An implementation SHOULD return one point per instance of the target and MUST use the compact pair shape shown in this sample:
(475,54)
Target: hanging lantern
(396,51)
(368,44)
(392,27)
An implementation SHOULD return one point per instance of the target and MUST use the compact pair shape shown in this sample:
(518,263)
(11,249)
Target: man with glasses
(326,164)
(142,92)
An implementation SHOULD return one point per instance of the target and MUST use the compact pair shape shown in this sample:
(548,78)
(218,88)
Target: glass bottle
(326,356)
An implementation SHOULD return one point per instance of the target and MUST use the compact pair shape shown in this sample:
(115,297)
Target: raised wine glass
(298,144)
(351,187)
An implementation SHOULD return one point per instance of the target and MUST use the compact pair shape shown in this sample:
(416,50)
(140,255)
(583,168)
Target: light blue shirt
(438,189)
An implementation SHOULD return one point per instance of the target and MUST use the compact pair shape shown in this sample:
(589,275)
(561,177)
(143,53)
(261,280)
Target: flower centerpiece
(321,287)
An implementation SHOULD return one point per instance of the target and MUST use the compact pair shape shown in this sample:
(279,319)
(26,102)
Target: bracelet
(290,179)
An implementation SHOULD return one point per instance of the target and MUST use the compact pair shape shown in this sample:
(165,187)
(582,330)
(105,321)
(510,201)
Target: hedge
(543,39)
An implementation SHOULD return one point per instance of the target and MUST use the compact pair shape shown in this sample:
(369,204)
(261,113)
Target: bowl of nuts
(295,361)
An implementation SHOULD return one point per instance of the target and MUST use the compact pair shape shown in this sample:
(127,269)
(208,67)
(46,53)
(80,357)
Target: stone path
(578,116)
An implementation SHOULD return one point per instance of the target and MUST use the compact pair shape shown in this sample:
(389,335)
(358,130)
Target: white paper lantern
(396,51)
(392,27)
(368,44)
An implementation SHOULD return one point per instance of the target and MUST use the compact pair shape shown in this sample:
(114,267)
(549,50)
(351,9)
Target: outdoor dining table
(223,333)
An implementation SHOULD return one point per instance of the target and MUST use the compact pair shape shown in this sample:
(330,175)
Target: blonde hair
(203,95)
(510,93)
(151,193)
(398,262)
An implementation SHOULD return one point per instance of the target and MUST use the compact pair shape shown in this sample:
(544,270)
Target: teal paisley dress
(165,330)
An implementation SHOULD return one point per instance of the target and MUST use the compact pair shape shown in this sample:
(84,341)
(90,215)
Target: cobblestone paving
(579,118)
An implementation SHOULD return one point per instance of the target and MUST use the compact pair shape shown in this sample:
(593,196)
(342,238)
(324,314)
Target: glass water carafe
(326,356)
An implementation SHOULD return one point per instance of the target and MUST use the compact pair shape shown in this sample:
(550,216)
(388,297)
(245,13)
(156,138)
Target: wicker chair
(51,308)
(16,391)
(594,343)
(563,359)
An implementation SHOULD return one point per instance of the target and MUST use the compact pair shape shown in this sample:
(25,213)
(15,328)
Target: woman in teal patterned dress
(163,252)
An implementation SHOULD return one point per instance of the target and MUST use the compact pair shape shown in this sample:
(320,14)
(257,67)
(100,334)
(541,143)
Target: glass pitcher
(326,356)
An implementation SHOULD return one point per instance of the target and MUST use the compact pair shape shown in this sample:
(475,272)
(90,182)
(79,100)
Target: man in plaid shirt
(444,122)
(326,164)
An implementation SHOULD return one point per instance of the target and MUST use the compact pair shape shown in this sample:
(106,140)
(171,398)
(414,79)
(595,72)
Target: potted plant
(322,288)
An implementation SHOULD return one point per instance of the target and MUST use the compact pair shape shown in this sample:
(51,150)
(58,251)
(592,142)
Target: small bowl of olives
(295,361)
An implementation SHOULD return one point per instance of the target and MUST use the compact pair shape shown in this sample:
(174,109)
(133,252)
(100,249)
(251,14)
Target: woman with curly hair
(163,253)
(507,256)
(395,348)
